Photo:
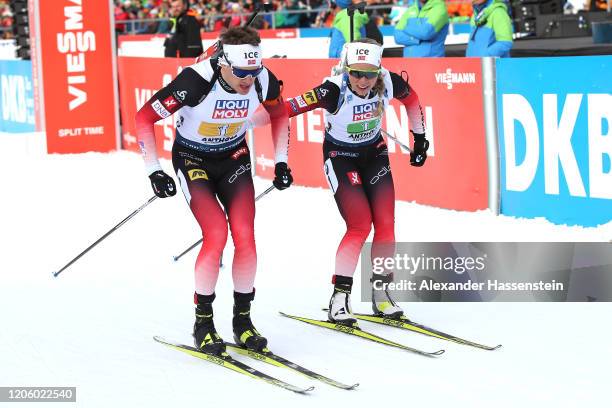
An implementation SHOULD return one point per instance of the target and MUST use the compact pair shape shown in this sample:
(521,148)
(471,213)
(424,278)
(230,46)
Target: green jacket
(491,34)
(341,30)
(423,29)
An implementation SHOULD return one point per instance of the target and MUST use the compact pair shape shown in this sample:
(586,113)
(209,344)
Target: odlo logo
(364,112)
(381,173)
(241,170)
(231,109)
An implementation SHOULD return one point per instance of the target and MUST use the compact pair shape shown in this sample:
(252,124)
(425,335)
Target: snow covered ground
(92,327)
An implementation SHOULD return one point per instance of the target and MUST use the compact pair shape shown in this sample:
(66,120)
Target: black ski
(225,360)
(354,330)
(269,357)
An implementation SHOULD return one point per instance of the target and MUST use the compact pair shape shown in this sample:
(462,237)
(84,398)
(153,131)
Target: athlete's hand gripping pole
(418,155)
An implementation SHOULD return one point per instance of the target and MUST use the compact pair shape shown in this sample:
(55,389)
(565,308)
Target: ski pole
(116,227)
(195,244)
(395,140)
(266,7)
(350,10)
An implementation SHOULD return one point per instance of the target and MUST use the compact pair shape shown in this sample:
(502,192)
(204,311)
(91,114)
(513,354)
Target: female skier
(356,163)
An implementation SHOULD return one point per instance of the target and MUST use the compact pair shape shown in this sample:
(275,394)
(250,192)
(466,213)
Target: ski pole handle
(266,7)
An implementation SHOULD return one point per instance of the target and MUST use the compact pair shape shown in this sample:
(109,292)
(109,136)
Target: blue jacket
(491,34)
(423,29)
(340,32)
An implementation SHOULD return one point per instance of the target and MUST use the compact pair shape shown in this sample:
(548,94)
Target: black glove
(163,185)
(283,178)
(419,150)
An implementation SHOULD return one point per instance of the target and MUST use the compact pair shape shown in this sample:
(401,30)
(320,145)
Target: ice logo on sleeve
(364,112)
(231,109)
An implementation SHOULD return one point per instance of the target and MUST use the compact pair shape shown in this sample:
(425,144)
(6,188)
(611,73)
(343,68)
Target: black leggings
(360,178)
(204,178)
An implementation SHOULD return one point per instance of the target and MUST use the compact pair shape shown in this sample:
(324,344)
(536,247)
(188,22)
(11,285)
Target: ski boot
(340,302)
(245,334)
(382,304)
(204,333)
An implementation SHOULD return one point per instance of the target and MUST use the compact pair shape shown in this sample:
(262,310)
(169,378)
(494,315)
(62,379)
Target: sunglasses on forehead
(363,73)
(244,73)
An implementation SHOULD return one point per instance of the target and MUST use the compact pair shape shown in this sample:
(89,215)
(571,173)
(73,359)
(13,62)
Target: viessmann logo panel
(77,71)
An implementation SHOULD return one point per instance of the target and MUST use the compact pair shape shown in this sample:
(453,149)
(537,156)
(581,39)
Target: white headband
(242,55)
(363,53)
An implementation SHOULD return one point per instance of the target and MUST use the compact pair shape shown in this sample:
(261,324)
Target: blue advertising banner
(555,139)
(17,101)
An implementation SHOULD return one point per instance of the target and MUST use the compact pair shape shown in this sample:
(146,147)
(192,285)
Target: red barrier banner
(450,91)
(75,41)
(139,79)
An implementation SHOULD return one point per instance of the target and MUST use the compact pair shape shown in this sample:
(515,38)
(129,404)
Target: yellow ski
(407,324)
(268,357)
(354,330)
(225,360)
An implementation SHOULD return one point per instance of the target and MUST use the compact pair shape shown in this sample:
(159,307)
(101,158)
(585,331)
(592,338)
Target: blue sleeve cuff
(424,31)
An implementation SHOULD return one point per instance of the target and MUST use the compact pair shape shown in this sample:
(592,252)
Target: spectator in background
(162,25)
(325,17)
(132,7)
(163,13)
(7,20)
(121,15)
(422,29)
(285,17)
(491,34)
(184,39)
(341,31)
(459,11)
(236,19)
(380,15)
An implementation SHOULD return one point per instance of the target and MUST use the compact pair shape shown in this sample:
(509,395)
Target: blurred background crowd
(213,15)
(6,16)
(216,14)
